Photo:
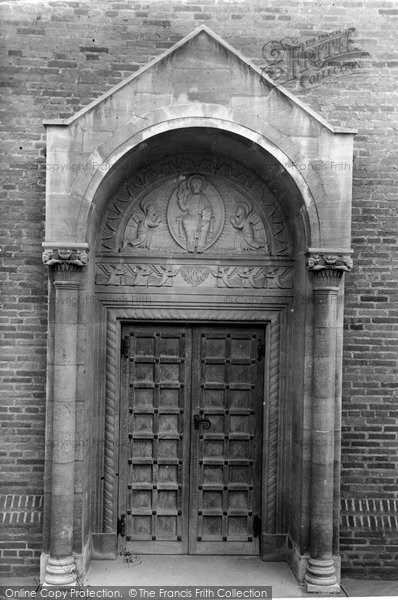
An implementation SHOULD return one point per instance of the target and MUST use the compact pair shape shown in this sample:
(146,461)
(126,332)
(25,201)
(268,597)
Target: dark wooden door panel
(226,457)
(191,431)
(156,382)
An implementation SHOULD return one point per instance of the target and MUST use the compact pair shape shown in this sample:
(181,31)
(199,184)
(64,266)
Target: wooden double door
(191,439)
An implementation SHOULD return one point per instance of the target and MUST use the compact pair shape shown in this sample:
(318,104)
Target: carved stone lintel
(337,263)
(65,259)
(228,276)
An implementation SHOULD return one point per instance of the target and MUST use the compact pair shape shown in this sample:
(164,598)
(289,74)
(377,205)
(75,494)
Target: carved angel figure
(196,221)
(142,226)
(249,229)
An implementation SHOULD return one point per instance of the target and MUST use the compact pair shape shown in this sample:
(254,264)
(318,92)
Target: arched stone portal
(196,233)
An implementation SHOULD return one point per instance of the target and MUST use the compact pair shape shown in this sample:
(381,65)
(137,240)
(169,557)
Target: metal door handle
(121,525)
(256,526)
(200,423)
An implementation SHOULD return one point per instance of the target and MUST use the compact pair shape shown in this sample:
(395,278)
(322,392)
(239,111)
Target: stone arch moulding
(306,171)
(203,86)
(112,152)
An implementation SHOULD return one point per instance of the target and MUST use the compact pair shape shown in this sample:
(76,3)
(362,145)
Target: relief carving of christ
(195,223)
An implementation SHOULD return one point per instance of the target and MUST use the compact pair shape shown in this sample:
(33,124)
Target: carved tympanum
(195,214)
(195,204)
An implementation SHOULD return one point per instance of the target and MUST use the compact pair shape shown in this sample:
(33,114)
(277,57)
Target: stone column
(326,271)
(67,266)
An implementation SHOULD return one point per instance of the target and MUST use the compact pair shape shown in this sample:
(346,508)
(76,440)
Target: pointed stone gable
(199,68)
(200,82)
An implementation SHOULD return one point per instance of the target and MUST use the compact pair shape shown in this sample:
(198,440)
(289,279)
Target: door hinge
(121,525)
(256,526)
(260,350)
(125,346)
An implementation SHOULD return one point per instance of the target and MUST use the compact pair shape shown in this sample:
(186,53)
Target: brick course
(61,55)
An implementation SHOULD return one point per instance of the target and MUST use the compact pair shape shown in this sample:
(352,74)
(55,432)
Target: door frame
(189,475)
(273,317)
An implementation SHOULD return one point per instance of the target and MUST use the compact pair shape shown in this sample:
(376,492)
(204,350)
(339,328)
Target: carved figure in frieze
(142,226)
(234,277)
(254,277)
(155,275)
(109,274)
(249,229)
(145,275)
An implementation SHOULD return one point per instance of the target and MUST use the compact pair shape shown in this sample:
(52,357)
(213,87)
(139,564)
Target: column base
(321,576)
(60,572)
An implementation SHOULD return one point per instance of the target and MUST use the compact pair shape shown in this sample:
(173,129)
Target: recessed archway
(234,167)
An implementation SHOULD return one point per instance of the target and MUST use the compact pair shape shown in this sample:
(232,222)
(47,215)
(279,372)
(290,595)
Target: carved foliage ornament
(329,262)
(194,275)
(65,259)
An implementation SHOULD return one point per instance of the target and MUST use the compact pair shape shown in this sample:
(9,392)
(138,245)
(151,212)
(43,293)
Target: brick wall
(59,56)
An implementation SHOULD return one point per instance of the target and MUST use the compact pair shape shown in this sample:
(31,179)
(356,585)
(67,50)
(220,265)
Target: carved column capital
(333,263)
(65,258)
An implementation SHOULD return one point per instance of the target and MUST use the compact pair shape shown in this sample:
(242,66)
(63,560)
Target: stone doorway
(191,438)
(197,202)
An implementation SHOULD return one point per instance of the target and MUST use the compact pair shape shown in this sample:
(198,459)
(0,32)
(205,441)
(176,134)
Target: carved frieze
(157,275)
(195,204)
